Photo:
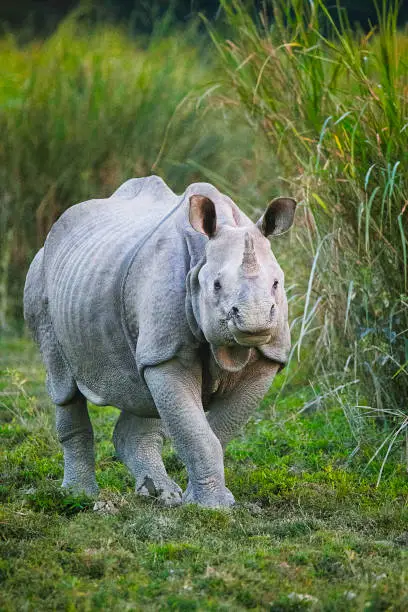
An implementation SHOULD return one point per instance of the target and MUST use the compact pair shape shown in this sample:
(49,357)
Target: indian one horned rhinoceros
(166,307)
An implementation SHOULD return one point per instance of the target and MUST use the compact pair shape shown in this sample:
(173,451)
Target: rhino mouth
(249,338)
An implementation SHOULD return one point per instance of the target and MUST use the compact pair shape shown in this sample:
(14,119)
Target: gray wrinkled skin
(171,308)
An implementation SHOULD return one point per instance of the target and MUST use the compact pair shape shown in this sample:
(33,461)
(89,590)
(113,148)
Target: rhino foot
(166,491)
(90,489)
(222,498)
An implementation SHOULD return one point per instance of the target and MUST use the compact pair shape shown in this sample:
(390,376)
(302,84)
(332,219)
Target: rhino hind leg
(138,442)
(72,420)
(75,433)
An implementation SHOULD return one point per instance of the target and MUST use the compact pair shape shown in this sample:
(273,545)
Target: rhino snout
(248,334)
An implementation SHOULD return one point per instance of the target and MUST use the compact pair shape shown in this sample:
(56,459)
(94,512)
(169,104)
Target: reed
(333,104)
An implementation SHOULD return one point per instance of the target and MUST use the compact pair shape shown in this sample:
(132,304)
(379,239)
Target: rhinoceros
(170,308)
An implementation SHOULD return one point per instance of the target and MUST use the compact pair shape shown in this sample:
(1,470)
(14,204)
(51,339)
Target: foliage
(334,105)
(142,17)
(310,531)
(85,110)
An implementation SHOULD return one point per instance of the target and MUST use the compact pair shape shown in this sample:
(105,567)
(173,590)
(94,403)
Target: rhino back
(87,254)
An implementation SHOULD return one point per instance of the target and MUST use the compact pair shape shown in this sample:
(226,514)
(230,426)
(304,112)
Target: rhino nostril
(234,311)
(272,312)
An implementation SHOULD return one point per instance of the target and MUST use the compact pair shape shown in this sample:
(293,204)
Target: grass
(88,108)
(310,530)
(333,104)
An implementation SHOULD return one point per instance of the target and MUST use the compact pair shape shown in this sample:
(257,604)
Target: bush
(333,103)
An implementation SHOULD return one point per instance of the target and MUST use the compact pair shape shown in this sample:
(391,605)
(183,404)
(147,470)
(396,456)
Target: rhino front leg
(176,391)
(229,413)
(76,436)
(138,442)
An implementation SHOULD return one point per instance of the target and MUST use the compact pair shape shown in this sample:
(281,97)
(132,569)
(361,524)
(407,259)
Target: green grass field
(310,530)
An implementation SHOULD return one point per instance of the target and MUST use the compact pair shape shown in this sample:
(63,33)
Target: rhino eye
(275,284)
(217,285)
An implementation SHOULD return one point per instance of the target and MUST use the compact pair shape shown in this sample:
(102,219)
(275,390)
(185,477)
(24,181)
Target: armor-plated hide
(146,299)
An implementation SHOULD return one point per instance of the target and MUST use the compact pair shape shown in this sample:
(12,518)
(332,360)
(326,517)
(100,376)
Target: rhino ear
(278,217)
(203,217)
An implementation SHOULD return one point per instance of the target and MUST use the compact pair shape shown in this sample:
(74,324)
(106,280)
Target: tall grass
(85,110)
(333,104)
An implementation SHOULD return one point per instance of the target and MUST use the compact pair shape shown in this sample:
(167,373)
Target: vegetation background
(260,99)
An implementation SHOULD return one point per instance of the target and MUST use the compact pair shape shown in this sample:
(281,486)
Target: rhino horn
(250,265)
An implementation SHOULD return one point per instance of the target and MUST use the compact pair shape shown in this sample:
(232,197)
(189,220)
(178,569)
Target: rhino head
(237,292)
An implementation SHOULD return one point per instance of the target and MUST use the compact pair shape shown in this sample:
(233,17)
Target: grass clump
(332,102)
